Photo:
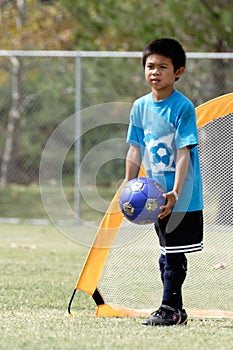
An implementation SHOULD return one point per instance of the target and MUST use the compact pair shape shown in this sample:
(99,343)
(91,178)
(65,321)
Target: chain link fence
(41,90)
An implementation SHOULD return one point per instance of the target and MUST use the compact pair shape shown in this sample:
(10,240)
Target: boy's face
(160,74)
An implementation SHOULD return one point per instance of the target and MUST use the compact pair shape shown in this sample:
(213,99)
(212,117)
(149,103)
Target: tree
(21,31)
(204,25)
(14,113)
(45,25)
(13,117)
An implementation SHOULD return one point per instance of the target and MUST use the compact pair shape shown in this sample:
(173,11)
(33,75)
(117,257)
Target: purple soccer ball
(140,200)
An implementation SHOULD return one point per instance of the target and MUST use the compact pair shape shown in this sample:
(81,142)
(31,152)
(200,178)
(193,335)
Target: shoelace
(158,312)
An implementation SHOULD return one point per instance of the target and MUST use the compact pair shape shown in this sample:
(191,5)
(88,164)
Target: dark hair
(166,47)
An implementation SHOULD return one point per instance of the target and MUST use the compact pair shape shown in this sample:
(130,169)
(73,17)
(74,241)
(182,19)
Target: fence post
(78,87)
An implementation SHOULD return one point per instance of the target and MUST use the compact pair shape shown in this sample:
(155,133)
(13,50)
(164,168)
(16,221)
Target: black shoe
(184,318)
(164,316)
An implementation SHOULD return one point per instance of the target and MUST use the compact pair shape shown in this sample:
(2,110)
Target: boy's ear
(179,72)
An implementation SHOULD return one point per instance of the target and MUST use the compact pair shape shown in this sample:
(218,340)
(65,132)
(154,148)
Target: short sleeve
(186,128)
(135,135)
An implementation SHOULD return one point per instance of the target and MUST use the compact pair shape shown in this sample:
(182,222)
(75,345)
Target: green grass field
(39,269)
(24,202)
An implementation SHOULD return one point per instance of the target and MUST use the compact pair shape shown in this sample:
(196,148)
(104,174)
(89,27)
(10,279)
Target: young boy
(163,135)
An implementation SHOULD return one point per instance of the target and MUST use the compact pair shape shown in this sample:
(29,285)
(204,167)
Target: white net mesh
(131,274)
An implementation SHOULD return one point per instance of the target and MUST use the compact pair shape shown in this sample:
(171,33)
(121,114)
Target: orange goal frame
(98,253)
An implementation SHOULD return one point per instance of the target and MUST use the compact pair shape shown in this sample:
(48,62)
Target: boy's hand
(171,201)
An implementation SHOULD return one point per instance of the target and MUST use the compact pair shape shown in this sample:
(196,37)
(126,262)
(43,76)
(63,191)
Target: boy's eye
(150,66)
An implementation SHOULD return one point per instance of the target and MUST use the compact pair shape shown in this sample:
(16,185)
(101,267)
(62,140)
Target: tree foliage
(204,25)
(45,25)
(201,25)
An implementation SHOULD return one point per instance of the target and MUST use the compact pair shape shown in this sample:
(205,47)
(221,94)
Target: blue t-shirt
(159,129)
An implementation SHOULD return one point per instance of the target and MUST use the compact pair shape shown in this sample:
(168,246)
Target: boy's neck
(160,95)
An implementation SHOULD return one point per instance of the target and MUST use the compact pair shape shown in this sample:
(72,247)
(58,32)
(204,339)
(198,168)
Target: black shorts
(181,232)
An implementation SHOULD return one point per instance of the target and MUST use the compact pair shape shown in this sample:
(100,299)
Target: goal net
(121,272)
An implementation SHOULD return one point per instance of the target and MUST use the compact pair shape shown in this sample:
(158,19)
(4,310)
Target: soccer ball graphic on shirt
(162,156)
(140,201)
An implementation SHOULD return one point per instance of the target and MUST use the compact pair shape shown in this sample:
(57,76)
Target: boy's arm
(133,161)
(182,163)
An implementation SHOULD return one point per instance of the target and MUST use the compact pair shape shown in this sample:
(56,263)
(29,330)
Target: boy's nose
(155,71)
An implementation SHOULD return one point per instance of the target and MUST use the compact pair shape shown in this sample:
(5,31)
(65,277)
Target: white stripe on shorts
(182,249)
